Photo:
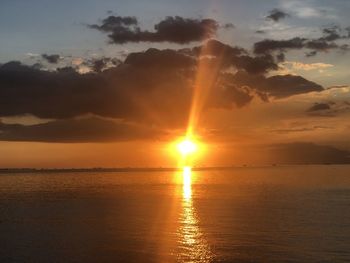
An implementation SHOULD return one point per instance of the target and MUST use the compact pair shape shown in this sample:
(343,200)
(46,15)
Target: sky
(116,83)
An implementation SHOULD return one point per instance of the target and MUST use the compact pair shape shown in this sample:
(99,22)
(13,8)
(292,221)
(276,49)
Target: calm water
(275,214)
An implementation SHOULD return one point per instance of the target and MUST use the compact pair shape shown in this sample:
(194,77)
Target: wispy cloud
(32,55)
(283,30)
(292,67)
(307,9)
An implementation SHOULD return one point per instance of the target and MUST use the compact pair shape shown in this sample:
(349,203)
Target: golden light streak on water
(193,246)
(187,188)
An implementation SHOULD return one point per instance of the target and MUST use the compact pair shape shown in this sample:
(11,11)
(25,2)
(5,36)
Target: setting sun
(187,147)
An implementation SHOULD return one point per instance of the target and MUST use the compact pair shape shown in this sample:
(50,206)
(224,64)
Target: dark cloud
(237,57)
(114,23)
(228,95)
(172,29)
(311,53)
(328,109)
(279,86)
(344,48)
(256,65)
(228,26)
(155,58)
(127,92)
(218,49)
(287,85)
(319,107)
(80,130)
(154,87)
(322,44)
(332,33)
(308,153)
(280,57)
(269,45)
(53,59)
(277,15)
(100,64)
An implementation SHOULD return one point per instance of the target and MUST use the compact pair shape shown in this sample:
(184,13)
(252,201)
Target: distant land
(106,170)
(140,169)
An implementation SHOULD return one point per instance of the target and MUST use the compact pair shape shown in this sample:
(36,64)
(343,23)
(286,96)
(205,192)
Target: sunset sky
(114,83)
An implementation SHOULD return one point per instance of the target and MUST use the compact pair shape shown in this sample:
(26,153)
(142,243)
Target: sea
(242,214)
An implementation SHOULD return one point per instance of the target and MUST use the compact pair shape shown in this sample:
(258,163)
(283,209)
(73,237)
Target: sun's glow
(187,147)
(187,150)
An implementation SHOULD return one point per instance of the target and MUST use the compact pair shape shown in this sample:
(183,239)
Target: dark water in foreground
(276,214)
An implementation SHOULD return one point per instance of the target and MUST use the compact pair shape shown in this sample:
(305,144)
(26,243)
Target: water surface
(270,214)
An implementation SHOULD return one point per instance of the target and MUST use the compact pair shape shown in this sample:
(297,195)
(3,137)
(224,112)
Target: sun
(187,150)
(186,147)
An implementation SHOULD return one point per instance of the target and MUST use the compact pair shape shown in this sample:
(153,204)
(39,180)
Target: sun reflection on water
(187,181)
(193,245)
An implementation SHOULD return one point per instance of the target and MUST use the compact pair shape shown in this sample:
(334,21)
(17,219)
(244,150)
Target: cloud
(276,15)
(287,85)
(79,130)
(300,129)
(77,61)
(332,33)
(305,9)
(291,67)
(311,53)
(176,29)
(98,64)
(53,59)
(279,86)
(236,57)
(322,44)
(308,153)
(329,109)
(154,87)
(319,107)
(124,92)
(32,55)
(338,87)
(228,26)
(158,59)
(307,66)
(268,45)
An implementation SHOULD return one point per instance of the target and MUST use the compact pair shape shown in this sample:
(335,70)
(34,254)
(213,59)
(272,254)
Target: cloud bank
(324,43)
(176,29)
(154,86)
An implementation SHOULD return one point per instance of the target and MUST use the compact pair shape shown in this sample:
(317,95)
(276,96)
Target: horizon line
(154,169)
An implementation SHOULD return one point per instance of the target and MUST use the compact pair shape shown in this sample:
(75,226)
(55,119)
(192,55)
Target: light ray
(207,75)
